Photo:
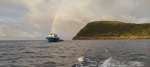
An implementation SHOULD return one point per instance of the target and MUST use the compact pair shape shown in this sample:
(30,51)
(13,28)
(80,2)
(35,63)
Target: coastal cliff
(113,30)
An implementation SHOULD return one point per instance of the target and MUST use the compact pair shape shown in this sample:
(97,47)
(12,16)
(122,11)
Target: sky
(35,19)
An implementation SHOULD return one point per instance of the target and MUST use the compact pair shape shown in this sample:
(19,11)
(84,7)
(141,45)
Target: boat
(53,38)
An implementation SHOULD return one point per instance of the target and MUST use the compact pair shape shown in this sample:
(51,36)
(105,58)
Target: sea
(101,53)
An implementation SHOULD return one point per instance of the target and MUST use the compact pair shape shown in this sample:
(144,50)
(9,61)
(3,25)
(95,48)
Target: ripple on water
(47,64)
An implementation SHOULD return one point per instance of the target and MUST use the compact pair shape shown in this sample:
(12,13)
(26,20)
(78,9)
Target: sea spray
(110,62)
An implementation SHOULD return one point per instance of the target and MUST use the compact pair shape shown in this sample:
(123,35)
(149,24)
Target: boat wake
(110,62)
(113,62)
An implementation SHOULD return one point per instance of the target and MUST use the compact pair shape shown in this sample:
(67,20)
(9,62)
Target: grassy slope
(114,30)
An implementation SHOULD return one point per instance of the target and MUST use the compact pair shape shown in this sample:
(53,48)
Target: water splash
(110,62)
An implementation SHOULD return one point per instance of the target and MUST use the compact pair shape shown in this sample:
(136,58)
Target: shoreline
(109,38)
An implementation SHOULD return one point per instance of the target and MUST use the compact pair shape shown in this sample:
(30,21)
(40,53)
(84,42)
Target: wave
(110,62)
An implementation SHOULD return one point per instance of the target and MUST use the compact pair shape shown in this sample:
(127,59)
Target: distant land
(113,30)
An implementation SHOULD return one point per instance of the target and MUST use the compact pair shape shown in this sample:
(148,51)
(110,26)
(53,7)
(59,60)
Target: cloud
(34,19)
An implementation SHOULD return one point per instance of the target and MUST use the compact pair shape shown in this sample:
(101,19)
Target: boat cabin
(52,36)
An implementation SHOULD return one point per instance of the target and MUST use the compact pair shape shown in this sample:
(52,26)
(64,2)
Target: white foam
(81,59)
(111,62)
(135,63)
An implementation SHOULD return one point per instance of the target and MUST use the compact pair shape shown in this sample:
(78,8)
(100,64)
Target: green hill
(114,30)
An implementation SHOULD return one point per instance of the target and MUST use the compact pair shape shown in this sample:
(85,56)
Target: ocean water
(101,53)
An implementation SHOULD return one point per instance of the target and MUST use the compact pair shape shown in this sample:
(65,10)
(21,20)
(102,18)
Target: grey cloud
(11,8)
(70,15)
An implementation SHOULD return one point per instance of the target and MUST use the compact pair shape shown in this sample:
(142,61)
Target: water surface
(106,53)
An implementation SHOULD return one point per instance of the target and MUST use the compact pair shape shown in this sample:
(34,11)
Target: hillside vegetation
(114,30)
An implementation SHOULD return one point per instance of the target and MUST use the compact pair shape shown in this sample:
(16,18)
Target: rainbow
(52,30)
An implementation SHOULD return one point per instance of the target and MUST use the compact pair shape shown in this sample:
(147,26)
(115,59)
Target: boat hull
(53,39)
